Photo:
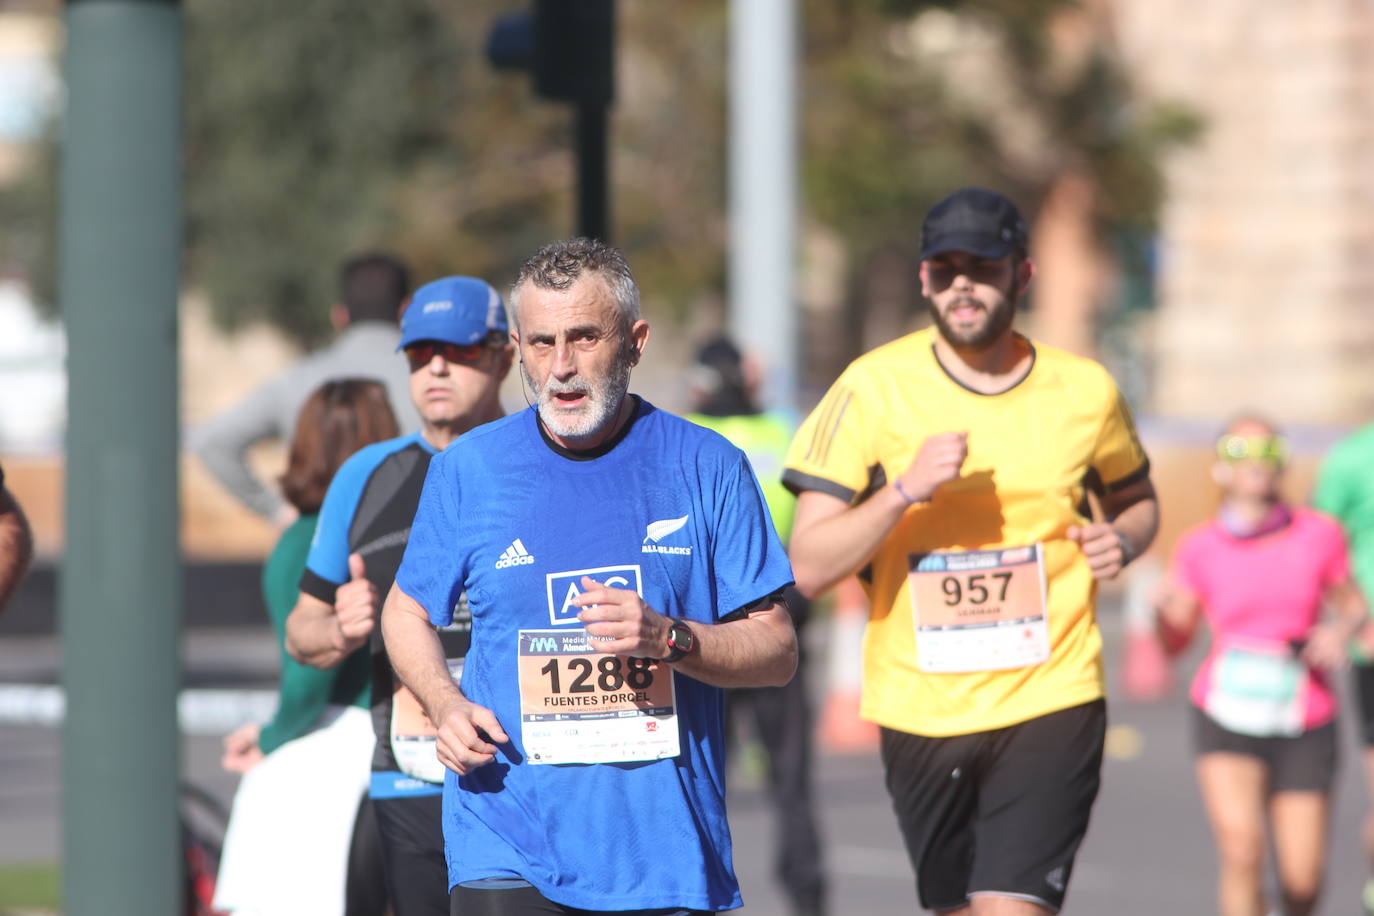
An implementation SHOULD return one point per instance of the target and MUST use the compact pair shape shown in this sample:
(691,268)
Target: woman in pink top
(1261,573)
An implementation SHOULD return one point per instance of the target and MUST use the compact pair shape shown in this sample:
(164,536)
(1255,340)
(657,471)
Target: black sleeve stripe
(796,481)
(835,426)
(318,586)
(1092,483)
(760,604)
(877,479)
(1136,476)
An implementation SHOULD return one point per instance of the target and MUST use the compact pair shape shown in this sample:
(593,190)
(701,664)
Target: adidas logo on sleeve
(514,555)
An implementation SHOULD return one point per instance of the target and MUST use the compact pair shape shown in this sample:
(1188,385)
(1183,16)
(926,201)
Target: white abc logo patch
(563,587)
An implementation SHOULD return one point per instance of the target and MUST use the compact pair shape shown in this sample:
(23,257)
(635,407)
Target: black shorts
(1362,680)
(412,837)
(1303,763)
(519,899)
(998,812)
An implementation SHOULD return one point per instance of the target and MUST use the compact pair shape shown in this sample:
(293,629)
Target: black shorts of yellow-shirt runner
(999,812)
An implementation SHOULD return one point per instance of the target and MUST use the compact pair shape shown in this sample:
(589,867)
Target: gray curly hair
(558,265)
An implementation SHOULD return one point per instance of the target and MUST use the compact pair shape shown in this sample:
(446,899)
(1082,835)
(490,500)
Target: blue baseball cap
(456,310)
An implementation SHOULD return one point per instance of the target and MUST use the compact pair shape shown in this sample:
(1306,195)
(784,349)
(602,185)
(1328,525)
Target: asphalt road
(1148,851)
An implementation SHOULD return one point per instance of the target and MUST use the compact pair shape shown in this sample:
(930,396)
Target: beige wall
(1267,282)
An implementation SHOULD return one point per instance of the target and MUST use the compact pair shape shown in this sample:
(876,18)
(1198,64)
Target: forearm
(233,472)
(1177,613)
(417,655)
(222,444)
(1135,516)
(1174,633)
(831,541)
(759,650)
(1352,612)
(313,636)
(16,546)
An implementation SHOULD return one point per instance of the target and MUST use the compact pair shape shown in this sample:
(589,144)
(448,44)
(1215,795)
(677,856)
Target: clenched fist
(939,460)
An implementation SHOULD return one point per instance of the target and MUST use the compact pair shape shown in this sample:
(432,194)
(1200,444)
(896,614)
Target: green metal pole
(119,245)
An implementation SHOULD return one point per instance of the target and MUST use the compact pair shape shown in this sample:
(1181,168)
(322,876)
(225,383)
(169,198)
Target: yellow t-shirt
(1032,453)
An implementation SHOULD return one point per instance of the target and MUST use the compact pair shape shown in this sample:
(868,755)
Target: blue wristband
(897,482)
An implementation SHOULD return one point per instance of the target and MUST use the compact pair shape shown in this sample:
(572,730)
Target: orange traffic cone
(840,729)
(1146,673)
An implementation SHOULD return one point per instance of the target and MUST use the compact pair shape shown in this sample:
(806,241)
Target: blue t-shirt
(513,520)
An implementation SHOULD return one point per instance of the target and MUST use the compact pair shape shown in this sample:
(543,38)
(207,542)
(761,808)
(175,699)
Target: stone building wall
(1267,236)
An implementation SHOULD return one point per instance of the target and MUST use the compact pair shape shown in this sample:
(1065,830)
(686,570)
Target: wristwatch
(681,642)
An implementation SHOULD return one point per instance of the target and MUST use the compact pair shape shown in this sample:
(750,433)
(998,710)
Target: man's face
(972,299)
(455,385)
(576,356)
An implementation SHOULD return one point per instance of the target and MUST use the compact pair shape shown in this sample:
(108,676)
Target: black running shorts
(1000,812)
(412,836)
(1303,763)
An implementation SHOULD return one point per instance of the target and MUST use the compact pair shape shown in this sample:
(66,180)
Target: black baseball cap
(975,220)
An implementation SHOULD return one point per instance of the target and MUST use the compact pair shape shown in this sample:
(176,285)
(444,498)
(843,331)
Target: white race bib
(1257,689)
(979,610)
(578,705)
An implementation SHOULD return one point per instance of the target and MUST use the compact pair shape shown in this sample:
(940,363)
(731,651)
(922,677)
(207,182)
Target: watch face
(681,637)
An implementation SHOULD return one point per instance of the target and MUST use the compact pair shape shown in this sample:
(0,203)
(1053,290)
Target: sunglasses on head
(422,352)
(1269,449)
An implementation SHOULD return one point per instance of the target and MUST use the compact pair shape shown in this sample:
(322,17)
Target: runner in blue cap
(454,335)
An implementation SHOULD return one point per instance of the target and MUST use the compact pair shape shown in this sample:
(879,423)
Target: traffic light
(569,48)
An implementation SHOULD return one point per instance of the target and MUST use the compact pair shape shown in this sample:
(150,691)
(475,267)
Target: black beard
(999,320)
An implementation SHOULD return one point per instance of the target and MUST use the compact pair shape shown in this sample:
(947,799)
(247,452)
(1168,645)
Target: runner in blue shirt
(454,337)
(620,568)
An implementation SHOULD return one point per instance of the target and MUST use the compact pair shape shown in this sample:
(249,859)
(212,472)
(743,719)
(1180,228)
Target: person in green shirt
(1345,490)
(319,713)
(723,388)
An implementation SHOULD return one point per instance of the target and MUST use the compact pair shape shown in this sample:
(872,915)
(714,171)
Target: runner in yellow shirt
(951,470)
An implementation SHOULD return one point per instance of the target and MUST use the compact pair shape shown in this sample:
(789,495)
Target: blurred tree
(325,127)
(908,99)
(320,128)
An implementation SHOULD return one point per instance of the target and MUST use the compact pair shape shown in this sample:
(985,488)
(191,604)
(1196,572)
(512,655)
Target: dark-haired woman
(296,842)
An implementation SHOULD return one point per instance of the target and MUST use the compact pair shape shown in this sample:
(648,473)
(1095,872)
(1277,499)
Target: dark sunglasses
(421,353)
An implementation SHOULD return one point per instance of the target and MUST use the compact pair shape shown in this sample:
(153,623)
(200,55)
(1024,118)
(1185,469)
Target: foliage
(308,143)
(896,121)
(320,128)
(312,131)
